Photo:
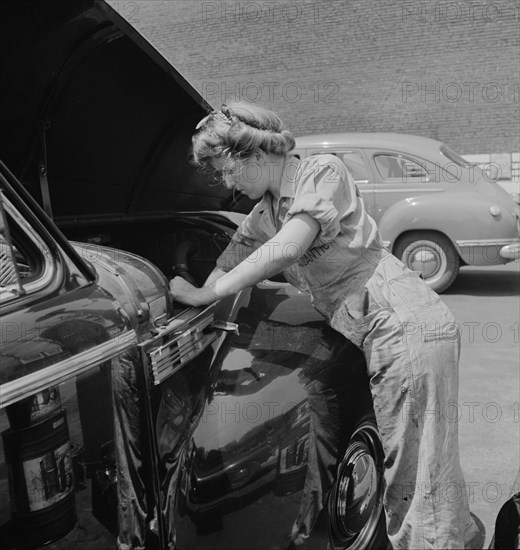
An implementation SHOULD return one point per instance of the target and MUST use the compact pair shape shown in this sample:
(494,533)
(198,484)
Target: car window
(25,260)
(12,264)
(354,162)
(396,166)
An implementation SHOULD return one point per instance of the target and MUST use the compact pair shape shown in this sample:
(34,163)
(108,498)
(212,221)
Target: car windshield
(454,156)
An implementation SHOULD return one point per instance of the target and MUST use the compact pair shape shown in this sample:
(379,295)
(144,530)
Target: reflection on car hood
(140,288)
(90,107)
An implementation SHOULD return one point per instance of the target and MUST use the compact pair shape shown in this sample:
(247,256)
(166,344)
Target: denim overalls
(409,338)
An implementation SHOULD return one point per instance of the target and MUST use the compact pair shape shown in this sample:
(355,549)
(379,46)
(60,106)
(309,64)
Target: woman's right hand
(184,292)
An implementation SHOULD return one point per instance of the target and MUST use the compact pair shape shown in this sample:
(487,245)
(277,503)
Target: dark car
(124,414)
(506,535)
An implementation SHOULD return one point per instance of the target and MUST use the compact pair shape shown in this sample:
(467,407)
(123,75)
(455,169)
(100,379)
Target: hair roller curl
(241,128)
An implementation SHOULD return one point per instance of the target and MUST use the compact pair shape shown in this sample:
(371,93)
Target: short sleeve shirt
(347,248)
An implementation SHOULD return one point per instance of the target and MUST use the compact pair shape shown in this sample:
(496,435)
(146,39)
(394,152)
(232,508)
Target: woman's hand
(185,293)
(283,250)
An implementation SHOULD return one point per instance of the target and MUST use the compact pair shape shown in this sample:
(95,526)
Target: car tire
(432,254)
(356,519)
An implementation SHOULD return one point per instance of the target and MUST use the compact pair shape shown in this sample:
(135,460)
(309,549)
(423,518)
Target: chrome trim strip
(13,391)
(181,345)
(175,361)
(188,318)
(409,189)
(486,242)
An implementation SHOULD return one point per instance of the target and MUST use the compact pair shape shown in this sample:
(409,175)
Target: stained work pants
(412,344)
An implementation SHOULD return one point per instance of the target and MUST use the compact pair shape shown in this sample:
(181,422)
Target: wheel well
(419,231)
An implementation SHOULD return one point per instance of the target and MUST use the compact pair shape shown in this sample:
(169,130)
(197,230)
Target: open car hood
(96,123)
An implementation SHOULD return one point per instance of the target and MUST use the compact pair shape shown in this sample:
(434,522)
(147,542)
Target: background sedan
(436,211)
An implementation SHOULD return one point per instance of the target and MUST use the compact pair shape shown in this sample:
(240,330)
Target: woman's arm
(284,249)
(214,275)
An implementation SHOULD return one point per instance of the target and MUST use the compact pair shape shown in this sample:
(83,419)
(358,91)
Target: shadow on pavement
(487,282)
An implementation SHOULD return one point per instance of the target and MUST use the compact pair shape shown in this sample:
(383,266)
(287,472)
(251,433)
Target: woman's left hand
(185,293)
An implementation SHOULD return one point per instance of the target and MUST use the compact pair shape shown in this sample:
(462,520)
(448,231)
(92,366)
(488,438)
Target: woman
(311,224)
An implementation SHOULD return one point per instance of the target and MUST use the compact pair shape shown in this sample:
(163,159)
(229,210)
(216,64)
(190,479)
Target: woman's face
(251,176)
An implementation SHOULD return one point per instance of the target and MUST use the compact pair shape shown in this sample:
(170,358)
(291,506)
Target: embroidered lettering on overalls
(313,254)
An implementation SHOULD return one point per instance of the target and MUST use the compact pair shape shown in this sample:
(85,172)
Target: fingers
(184,292)
(181,281)
(180,287)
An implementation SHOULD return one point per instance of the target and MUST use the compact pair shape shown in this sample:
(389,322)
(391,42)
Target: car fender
(139,287)
(249,448)
(459,216)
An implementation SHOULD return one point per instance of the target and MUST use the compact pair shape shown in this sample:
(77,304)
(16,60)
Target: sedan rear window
(396,166)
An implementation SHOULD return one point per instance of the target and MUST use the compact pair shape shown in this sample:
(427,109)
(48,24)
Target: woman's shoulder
(323,161)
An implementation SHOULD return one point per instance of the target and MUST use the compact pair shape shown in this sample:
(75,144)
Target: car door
(358,166)
(398,177)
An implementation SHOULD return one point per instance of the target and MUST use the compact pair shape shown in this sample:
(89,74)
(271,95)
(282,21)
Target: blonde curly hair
(239,129)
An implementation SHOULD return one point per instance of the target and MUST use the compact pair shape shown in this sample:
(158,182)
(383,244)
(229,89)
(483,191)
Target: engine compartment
(189,240)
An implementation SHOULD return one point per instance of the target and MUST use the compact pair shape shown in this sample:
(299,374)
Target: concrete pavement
(486,305)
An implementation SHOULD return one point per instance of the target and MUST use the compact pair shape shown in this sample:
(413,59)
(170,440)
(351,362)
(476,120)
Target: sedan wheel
(356,518)
(431,254)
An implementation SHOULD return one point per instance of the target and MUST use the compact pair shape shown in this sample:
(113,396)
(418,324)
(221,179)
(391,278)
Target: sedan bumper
(511,251)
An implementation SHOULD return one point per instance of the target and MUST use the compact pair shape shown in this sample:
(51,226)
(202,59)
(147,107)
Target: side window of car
(398,167)
(354,162)
(25,260)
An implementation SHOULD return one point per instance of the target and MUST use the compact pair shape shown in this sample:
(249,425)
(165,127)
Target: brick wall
(448,70)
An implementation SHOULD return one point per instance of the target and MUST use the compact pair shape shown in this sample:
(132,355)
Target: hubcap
(356,501)
(357,491)
(424,257)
